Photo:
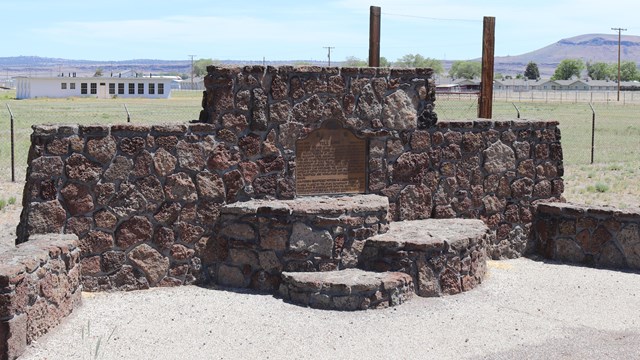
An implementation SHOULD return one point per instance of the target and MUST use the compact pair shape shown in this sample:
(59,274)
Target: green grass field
(181,107)
(617,127)
(617,133)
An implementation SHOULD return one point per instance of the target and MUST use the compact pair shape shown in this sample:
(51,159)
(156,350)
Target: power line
(432,18)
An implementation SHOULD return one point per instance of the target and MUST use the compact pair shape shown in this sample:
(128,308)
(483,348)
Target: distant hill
(44,66)
(589,47)
(44,61)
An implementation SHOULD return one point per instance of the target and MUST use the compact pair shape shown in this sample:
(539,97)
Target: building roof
(96,78)
(447,85)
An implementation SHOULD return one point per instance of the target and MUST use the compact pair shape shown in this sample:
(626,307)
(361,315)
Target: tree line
(458,70)
(570,68)
(574,68)
(566,70)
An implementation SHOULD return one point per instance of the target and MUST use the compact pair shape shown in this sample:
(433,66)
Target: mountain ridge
(587,47)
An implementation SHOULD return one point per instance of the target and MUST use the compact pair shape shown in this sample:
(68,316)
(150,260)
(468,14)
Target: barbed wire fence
(616,128)
(567,96)
(18,116)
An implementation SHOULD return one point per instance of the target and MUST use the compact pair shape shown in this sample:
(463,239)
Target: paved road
(525,309)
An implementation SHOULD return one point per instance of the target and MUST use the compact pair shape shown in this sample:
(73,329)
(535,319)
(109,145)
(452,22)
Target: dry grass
(183,106)
(10,214)
(615,184)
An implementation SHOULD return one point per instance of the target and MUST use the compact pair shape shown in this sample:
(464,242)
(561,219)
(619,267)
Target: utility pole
(619,30)
(192,56)
(485,106)
(329,53)
(374,36)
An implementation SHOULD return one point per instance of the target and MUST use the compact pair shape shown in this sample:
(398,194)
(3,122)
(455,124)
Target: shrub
(602,187)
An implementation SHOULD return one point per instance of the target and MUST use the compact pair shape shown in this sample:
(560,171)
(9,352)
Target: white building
(155,87)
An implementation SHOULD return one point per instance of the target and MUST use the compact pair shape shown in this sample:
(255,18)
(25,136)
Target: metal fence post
(128,115)
(13,158)
(517,110)
(593,130)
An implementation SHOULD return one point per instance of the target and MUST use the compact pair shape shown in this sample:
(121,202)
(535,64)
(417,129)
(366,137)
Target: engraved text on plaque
(330,161)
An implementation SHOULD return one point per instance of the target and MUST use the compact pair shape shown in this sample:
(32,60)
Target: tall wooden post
(374,36)
(485,107)
(619,30)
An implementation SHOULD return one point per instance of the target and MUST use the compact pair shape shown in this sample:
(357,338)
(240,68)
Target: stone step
(328,205)
(443,256)
(262,238)
(349,289)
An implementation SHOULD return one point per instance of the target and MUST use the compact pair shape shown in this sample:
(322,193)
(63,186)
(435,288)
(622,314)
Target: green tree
(532,72)
(200,66)
(352,61)
(465,70)
(601,71)
(419,61)
(98,72)
(628,71)
(567,69)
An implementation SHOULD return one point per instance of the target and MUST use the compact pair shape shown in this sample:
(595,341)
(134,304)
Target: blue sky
(288,30)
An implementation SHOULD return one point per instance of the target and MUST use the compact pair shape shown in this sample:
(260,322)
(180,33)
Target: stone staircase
(348,289)
(340,252)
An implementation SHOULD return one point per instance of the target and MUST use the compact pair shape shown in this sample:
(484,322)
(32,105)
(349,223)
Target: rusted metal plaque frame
(331,161)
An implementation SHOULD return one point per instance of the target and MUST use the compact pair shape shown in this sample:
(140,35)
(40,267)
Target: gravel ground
(525,308)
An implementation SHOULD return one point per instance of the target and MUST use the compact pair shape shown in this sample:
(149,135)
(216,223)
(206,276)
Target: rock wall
(39,286)
(589,235)
(489,170)
(144,199)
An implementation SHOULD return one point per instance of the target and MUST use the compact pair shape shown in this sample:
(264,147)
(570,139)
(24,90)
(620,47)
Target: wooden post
(374,36)
(486,85)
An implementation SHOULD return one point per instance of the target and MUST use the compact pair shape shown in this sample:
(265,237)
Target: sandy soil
(524,310)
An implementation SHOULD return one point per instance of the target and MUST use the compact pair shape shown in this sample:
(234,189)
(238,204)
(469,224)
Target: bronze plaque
(331,161)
